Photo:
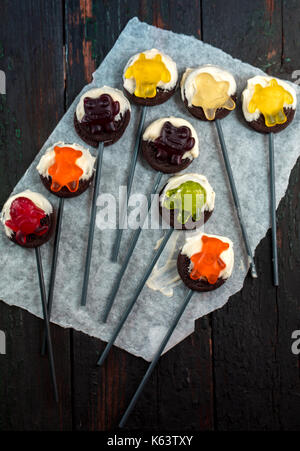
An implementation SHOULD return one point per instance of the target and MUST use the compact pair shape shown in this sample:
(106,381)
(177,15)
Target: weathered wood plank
(26,389)
(251,31)
(256,375)
(100,395)
(245,366)
(288,306)
(92,28)
(290,38)
(187,370)
(31,54)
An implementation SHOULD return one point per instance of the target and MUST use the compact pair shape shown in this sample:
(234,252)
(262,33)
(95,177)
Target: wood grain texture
(236,371)
(256,375)
(185,383)
(92,28)
(251,31)
(290,40)
(25,388)
(31,54)
(100,395)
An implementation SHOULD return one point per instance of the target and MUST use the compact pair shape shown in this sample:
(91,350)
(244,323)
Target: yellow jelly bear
(211,95)
(270,101)
(147,74)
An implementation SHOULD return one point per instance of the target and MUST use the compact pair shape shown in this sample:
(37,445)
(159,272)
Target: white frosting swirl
(154,129)
(188,87)
(85,162)
(115,94)
(39,200)
(129,83)
(264,81)
(193,245)
(177,180)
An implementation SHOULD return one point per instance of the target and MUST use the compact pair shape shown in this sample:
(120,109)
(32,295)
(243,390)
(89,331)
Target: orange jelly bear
(64,171)
(208,263)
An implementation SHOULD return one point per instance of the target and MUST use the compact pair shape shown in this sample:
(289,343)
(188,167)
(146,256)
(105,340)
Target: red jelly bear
(26,219)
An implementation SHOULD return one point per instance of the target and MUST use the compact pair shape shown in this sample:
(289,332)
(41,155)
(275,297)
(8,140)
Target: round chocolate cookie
(33,240)
(170,217)
(150,154)
(64,191)
(183,267)
(199,113)
(260,126)
(161,97)
(84,130)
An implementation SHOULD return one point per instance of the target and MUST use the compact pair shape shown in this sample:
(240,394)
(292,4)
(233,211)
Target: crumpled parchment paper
(248,153)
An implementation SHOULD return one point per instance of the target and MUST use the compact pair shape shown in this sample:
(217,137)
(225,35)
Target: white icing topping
(193,245)
(85,162)
(39,200)
(177,180)
(129,83)
(115,94)
(188,87)
(165,278)
(154,129)
(264,81)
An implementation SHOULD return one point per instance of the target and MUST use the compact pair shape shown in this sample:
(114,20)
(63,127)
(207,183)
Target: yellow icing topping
(270,101)
(211,95)
(147,74)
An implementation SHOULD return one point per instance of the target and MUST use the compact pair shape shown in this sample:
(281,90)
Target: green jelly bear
(188,198)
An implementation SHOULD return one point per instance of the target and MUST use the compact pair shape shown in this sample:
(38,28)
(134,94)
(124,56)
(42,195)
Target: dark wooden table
(236,371)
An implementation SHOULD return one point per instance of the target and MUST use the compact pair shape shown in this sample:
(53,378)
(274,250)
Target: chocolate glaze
(260,126)
(34,240)
(64,191)
(107,137)
(198,112)
(161,97)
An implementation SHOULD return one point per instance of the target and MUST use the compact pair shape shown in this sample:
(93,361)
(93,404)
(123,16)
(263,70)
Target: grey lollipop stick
(273,210)
(155,359)
(236,198)
(46,320)
(92,225)
(129,253)
(134,298)
(129,183)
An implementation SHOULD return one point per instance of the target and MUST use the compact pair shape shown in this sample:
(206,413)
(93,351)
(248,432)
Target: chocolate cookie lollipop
(169,145)
(209,93)
(101,118)
(149,79)
(66,170)
(28,220)
(269,106)
(204,263)
(186,201)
